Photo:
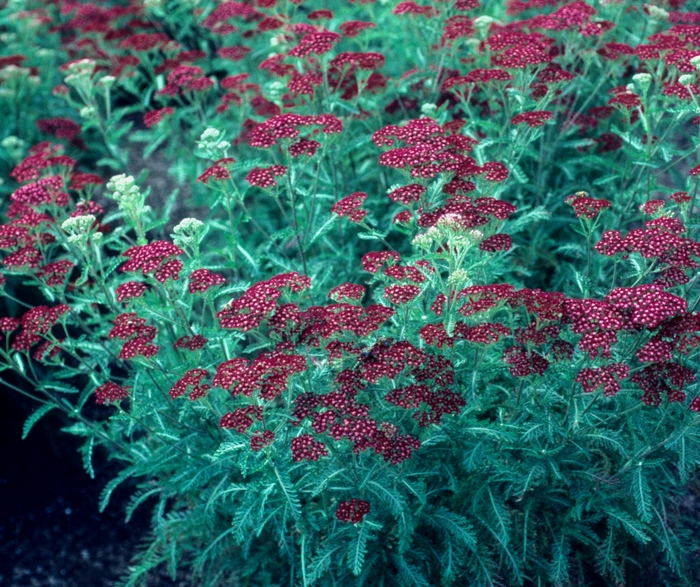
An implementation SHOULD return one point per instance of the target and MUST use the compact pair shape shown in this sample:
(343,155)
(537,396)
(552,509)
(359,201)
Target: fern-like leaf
(112,485)
(640,491)
(35,417)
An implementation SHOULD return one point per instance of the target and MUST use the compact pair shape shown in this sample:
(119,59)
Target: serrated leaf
(327,227)
(640,491)
(289,492)
(65,388)
(631,526)
(519,174)
(371,236)
(410,575)
(77,429)
(248,257)
(86,451)
(358,549)
(607,179)
(535,215)
(138,498)
(109,162)
(227,447)
(112,485)
(34,417)
(148,151)
(321,562)
(455,524)
(559,568)
(83,276)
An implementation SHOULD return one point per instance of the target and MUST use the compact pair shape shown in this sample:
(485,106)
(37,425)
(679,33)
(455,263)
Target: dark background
(51,531)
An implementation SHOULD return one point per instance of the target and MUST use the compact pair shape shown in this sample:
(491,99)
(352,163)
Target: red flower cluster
(304,147)
(496,242)
(315,42)
(186,78)
(659,378)
(36,323)
(532,119)
(585,206)
(323,322)
(353,511)
(660,239)
(344,417)
(111,392)
(408,272)
(192,379)
(652,206)
(154,258)
(347,291)
(286,126)
(240,419)
(203,279)
(414,9)
(55,273)
(139,337)
(258,440)
(61,128)
(440,401)
(191,343)
(592,379)
(352,28)
(524,362)
(131,289)
(401,294)
(41,156)
(373,261)
(258,301)
(350,207)
(470,214)
(358,60)
(264,177)
(477,76)
(153,117)
(431,150)
(305,448)
(44,191)
(407,194)
(80,181)
(267,374)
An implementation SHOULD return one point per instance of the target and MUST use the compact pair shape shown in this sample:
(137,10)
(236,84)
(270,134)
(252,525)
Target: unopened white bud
(643,80)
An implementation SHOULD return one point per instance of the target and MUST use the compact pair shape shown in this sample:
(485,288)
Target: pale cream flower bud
(643,80)
(656,13)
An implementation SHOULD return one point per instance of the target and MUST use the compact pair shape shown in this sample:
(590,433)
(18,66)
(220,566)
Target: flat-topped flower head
(149,258)
(111,392)
(352,511)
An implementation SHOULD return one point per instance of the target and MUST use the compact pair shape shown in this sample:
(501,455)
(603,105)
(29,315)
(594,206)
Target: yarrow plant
(421,309)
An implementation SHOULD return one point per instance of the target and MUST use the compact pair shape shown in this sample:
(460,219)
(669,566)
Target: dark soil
(51,532)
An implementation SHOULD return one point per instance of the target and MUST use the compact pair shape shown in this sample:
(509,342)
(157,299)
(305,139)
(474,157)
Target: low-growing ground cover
(377,293)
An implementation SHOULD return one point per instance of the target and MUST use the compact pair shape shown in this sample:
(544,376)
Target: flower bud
(189,233)
(643,80)
(428,110)
(458,277)
(106,82)
(211,144)
(685,79)
(78,228)
(88,112)
(656,13)
(482,23)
